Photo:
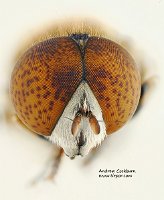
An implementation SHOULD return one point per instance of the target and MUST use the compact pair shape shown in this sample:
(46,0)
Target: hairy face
(81,126)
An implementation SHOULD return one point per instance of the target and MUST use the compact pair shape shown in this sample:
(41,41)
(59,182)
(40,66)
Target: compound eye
(43,81)
(94,124)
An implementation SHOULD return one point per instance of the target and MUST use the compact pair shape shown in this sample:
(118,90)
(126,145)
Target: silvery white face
(81,126)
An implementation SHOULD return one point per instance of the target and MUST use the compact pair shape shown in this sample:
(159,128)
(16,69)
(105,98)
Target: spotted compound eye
(47,75)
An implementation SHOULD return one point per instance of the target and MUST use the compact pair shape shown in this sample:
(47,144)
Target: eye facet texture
(47,75)
(44,80)
(114,79)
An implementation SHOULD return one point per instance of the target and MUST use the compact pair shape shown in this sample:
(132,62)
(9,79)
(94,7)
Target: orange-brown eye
(47,75)
(43,81)
(114,79)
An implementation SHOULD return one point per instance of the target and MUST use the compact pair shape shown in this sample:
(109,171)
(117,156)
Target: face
(75,90)
(81,126)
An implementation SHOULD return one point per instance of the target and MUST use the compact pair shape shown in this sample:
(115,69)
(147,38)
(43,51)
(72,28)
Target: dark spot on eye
(39,102)
(114,81)
(117,102)
(114,90)
(38,88)
(112,114)
(44,110)
(126,90)
(101,87)
(121,84)
(44,87)
(117,122)
(107,99)
(32,91)
(26,113)
(50,108)
(108,105)
(62,99)
(28,72)
(36,78)
(46,94)
(38,96)
(101,73)
(101,96)
(39,111)
(119,93)
(29,82)
(51,103)
(35,106)
(48,118)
